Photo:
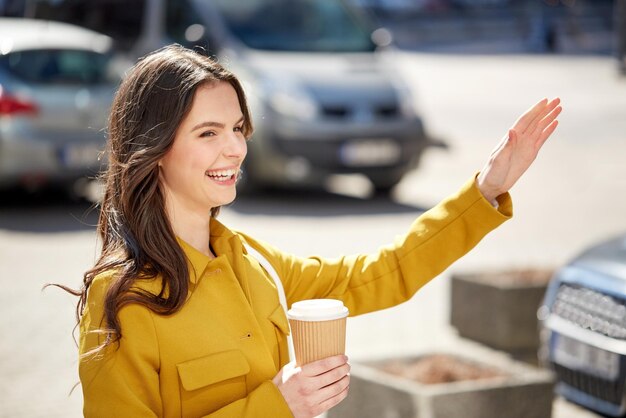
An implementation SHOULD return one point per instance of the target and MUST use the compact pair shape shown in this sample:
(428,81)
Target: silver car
(323,90)
(583,335)
(55,94)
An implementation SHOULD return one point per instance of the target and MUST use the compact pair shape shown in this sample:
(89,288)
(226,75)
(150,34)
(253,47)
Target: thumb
(289,370)
(512,137)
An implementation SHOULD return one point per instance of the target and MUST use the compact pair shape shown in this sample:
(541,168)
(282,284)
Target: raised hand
(517,150)
(315,387)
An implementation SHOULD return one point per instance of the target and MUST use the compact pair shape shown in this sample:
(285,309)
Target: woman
(176,319)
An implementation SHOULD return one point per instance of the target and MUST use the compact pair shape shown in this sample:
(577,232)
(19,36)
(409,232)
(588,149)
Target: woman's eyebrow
(209,124)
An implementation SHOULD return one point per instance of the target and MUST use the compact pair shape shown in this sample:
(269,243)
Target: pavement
(574,195)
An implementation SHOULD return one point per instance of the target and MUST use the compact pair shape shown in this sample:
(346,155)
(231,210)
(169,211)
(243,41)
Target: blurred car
(583,333)
(55,94)
(321,83)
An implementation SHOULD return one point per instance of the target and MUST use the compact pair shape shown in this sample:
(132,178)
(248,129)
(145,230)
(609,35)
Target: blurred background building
(569,26)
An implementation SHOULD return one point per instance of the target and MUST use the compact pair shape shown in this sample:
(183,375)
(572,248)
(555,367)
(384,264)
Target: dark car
(584,328)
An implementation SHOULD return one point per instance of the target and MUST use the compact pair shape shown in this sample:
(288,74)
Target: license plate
(79,155)
(370,152)
(577,355)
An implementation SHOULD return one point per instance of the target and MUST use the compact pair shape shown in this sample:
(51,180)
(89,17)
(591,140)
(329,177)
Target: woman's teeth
(221,175)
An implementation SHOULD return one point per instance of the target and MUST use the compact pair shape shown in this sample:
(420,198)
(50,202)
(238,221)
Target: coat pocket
(212,382)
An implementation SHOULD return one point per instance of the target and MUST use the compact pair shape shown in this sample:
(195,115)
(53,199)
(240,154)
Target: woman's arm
(371,282)
(436,239)
(298,392)
(265,399)
(120,381)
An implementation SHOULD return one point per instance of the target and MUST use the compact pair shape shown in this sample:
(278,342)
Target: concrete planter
(500,309)
(523,392)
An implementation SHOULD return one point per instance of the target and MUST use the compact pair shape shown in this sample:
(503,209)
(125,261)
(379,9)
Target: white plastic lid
(317,310)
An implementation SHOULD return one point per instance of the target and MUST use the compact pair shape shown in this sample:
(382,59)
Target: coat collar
(224,242)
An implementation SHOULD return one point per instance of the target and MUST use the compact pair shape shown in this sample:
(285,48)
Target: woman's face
(200,170)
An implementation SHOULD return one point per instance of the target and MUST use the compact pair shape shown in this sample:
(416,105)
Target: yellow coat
(216,357)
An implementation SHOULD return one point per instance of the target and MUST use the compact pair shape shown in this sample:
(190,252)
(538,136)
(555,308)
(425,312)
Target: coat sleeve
(124,381)
(372,282)
(119,381)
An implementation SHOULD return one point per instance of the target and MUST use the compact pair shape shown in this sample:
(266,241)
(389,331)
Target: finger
(546,111)
(548,120)
(512,138)
(508,141)
(523,122)
(332,376)
(546,133)
(332,390)
(318,367)
(541,115)
(333,400)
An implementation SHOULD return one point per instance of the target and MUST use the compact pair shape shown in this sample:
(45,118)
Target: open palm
(517,151)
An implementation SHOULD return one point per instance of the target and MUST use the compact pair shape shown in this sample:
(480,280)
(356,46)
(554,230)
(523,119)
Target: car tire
(383,185)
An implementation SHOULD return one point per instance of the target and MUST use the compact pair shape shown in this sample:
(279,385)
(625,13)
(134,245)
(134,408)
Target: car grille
(388,111)
(591,310)
(607,390)
(335,111)
(344,111)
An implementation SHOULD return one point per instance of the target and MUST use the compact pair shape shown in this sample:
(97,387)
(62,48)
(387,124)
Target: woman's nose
(236,146)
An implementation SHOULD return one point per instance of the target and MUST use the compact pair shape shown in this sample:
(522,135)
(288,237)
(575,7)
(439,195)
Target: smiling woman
(201,167)
(178,317)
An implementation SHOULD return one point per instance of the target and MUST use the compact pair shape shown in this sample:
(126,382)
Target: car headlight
(405,100)
(289,98)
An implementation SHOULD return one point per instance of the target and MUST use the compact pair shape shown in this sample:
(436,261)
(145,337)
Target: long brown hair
(137,239)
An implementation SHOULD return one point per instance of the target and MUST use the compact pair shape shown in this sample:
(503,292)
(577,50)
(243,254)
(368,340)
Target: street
(574,195)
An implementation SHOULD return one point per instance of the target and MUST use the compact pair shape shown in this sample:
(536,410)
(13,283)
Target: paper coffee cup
(318,328)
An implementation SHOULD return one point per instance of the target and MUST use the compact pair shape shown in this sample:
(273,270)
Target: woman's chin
(224,197)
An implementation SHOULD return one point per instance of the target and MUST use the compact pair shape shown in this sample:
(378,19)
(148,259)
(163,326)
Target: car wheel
(383,185)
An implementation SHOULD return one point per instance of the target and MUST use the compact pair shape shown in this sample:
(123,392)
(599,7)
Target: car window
(119,19)
(296,25)
(57,66)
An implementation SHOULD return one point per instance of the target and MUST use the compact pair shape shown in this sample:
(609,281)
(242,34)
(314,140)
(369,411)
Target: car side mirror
(382,37)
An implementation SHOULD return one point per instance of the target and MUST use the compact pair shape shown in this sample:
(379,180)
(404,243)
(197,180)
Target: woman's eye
(238,128)
(207,133)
